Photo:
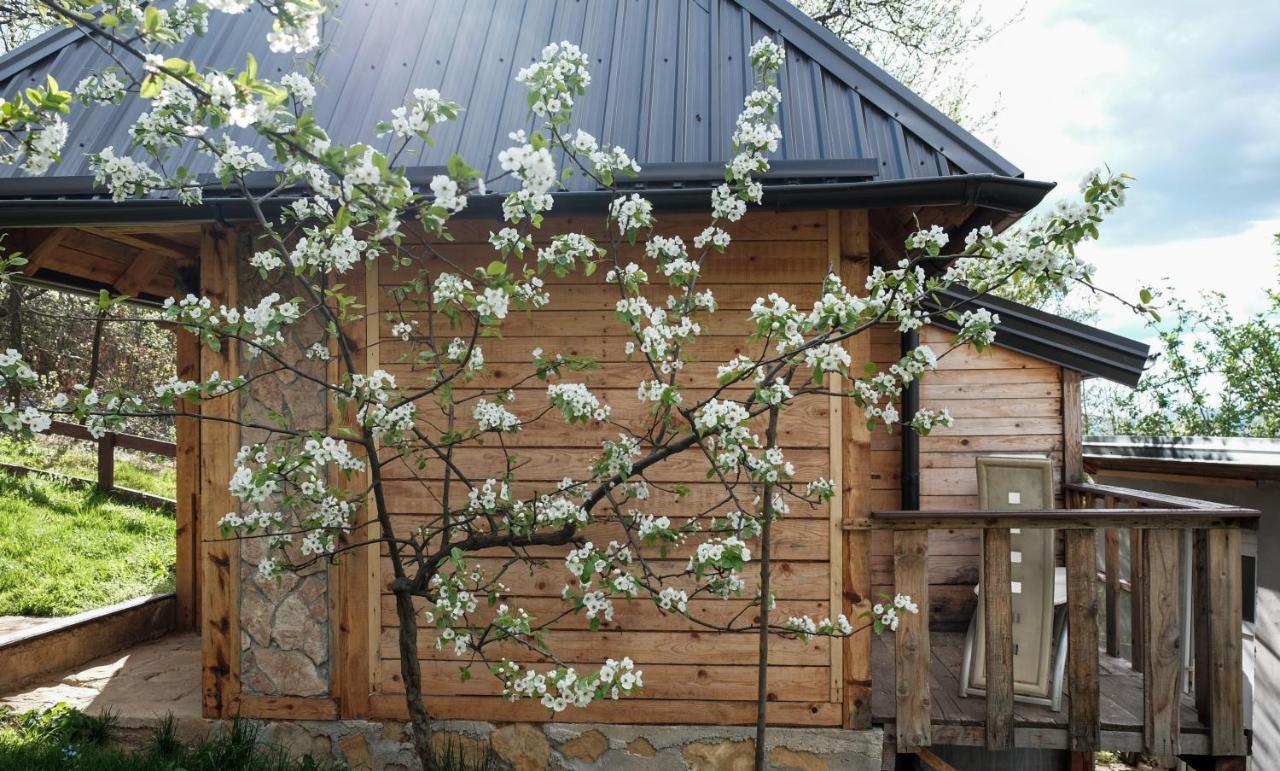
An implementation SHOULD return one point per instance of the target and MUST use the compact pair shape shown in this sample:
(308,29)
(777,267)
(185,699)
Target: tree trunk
(13,310)
(762,670)
(411,673)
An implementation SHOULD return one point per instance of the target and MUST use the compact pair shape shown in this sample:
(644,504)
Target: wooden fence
(107,444)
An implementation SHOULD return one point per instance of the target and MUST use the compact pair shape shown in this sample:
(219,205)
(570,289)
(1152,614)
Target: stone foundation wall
(374,746)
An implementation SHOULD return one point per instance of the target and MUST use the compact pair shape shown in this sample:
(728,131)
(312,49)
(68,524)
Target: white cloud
(1241,265)
(1182,95)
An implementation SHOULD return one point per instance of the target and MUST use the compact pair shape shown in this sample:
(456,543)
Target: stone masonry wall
(284,623)
(373,746)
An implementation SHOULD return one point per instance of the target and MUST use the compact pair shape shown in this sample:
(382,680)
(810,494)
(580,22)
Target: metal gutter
(74,202)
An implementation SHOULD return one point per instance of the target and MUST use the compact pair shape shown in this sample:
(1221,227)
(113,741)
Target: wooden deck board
(1121,701)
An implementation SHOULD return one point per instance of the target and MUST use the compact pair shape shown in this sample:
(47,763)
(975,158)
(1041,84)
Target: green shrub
(62,738)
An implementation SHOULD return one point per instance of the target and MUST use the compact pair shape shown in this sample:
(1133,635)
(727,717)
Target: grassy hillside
(60,455)
(64,550)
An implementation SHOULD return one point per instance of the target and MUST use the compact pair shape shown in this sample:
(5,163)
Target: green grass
(65,739)
(75,458)
(65,550)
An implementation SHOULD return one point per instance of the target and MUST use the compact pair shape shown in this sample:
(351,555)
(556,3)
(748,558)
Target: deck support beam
(914,702)
(1083,732)
(998,610)
(1112,565)
(1220,663)
(1162,657)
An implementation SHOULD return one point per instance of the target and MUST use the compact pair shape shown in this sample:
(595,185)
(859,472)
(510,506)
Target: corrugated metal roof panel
(669,79)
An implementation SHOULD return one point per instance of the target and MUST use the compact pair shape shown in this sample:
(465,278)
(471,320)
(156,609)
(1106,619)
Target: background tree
(58,333)
(1215,375)
(312,491)
(922,43)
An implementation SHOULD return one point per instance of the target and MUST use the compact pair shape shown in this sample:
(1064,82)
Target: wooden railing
(1157,520)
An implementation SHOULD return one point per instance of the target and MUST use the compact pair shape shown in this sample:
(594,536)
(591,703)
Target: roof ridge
(935,127)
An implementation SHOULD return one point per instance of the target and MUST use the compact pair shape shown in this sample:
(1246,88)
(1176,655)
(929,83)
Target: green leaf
(152,20)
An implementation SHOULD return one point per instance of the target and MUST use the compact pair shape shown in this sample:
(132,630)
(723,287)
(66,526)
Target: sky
(1182,94)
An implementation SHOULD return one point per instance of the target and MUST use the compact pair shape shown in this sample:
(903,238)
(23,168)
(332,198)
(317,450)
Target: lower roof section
(1226,456)
(1055,339)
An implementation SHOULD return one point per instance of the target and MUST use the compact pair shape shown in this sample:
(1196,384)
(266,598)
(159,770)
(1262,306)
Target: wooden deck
(960,720)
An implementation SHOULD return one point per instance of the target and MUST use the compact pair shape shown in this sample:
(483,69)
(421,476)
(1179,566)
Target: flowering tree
(313,492)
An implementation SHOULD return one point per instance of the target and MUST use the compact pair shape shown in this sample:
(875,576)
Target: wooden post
(1072,427)
(220,560)
(1202,663)
(1083,733)
(998,610)
(849,246)
(107,462)
(187,508)
(1224,663)
(1162,658)
(1112,564)
(914,703)
(1083,761)
(1137,588)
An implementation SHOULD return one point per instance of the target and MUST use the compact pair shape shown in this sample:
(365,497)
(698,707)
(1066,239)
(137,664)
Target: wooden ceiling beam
(139,274)
(43,250)
(158,246)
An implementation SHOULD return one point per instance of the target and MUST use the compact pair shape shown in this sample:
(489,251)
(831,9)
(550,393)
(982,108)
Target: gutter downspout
(910,472)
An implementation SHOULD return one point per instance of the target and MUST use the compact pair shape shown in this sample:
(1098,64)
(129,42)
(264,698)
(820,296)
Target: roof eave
(67,201)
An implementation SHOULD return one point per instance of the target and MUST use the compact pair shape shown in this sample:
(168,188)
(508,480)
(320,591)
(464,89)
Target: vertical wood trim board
(353,681)
(855,500)
(835,532)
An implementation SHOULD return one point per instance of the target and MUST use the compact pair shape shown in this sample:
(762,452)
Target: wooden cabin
(864,163)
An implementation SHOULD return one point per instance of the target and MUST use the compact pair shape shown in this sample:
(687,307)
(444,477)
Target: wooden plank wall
(1004,403)
(690,675)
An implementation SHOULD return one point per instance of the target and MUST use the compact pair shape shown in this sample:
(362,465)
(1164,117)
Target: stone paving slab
(12,625)
(142,683)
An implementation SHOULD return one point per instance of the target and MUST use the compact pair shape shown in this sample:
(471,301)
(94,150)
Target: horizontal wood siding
(1004,403)
(690,675)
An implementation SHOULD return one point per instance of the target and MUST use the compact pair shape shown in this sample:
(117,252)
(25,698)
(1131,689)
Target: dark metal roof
(1195,455)
(669,77)
(1054,339)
